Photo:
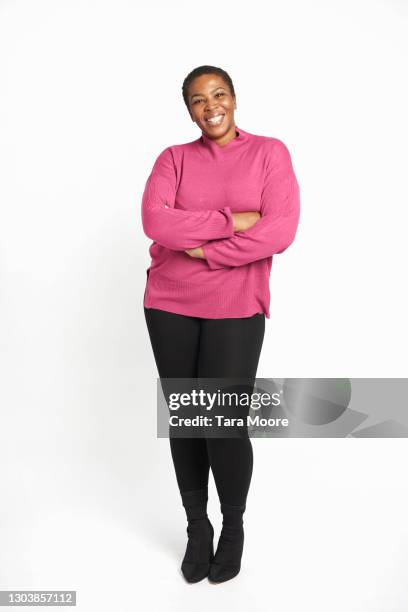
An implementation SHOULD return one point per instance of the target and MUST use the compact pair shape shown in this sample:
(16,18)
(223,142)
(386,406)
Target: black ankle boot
(200,545)
(227,560)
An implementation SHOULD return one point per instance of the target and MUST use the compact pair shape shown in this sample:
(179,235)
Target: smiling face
(212,106)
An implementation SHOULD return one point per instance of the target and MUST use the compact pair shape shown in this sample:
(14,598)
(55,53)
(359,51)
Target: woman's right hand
(245,220)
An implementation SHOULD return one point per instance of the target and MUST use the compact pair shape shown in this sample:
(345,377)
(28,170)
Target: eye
(220,94)
(198,100)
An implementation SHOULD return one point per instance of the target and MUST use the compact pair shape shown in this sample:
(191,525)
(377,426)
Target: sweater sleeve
(175,228)
(276,229)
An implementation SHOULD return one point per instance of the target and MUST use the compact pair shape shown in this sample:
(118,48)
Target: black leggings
(191,347)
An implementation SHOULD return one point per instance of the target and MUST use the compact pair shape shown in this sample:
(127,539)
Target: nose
(211,106)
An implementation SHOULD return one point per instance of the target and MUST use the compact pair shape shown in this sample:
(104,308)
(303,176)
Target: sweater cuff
(230,222)
(210,254)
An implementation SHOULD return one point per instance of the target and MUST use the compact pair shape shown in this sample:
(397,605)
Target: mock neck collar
(223,152)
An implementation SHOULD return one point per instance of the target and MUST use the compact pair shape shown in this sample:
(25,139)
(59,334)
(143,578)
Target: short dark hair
(200,70)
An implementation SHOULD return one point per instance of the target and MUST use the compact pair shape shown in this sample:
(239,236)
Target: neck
(225,151)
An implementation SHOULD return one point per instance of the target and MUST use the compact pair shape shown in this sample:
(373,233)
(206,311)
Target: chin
(214,132)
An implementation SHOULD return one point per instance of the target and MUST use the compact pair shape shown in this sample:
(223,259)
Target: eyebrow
(199,94)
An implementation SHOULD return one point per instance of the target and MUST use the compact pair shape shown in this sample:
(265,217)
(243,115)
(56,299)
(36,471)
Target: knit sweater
(188,201)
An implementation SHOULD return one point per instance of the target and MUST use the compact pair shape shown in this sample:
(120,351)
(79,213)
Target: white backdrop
(90,94)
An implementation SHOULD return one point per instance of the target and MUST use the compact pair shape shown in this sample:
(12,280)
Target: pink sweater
(187,202)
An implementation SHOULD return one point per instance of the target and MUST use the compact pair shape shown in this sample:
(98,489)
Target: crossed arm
(210,234)
(174,228)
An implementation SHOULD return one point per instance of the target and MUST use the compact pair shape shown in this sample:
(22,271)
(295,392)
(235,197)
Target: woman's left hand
(197,252)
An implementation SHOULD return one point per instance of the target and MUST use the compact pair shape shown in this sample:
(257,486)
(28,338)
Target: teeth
(216,119)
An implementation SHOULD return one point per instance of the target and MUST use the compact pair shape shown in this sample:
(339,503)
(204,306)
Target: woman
(217,209)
